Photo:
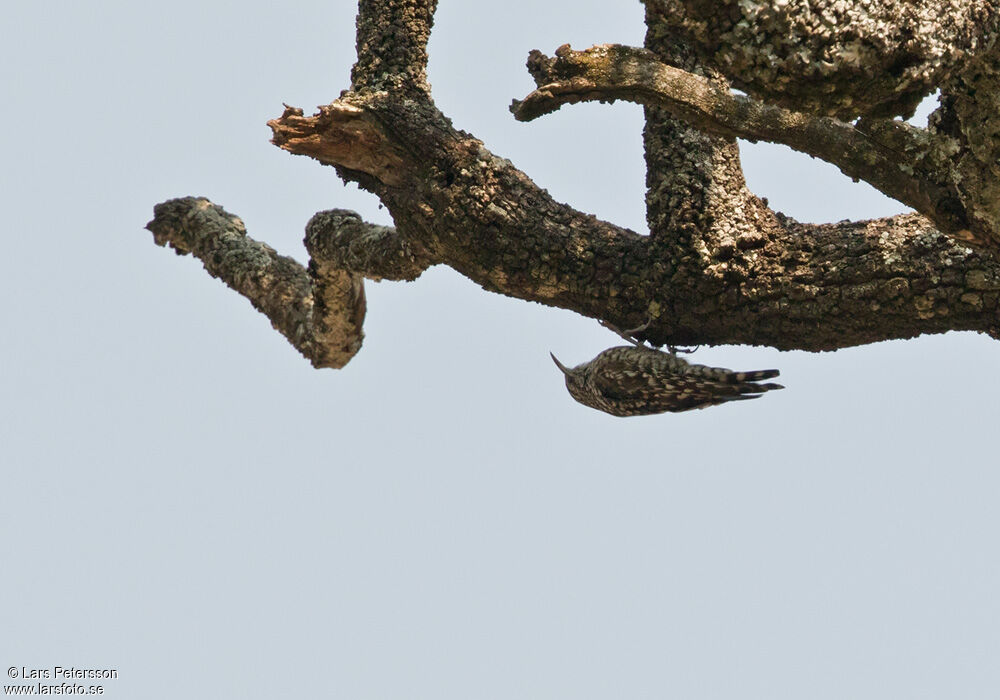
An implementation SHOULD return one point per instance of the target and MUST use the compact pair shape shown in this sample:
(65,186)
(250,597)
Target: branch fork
(903,161)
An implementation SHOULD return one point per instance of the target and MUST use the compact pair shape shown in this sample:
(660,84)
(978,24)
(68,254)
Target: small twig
(628,335)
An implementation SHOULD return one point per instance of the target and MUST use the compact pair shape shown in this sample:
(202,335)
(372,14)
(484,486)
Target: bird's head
(575,379)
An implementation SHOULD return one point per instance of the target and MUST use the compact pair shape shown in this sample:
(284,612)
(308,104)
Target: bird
(635,380)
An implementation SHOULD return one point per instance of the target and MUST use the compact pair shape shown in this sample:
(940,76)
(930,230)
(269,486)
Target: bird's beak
(565,370)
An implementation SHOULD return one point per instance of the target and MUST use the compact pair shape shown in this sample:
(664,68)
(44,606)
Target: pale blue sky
(186,500)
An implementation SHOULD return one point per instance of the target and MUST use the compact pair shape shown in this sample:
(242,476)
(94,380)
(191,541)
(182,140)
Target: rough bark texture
(898,159)
(842,58)
(718,265)
(319,310)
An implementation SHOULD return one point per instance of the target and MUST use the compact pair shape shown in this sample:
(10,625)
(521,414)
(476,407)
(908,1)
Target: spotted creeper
(636,380)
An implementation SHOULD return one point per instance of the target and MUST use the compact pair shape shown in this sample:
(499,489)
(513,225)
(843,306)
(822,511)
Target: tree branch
(465,207)
(718,267)
(839,58)
(319,311)
(338,239)
(392,44)
(768,281)
(968,119)
(894,157)
(344,135)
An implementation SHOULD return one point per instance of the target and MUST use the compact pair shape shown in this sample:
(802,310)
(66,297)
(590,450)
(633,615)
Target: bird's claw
(674,349)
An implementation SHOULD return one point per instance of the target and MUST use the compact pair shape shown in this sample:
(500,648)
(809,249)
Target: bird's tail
(743,392)
(754,376)
(728,376)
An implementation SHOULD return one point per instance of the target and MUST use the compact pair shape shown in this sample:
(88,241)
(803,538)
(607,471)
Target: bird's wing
(638,389)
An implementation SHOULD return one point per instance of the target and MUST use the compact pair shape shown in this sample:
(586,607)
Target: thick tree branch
(896,158)
(319,311)
(392,44)
(480,215)
(843,284)
(341,134)
(339,239)
(840,58)
(769,281)
(719,267)
(969,118)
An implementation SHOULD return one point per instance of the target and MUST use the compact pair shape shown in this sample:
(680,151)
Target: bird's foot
(674,349)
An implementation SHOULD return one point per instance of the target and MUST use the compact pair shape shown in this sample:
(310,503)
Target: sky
(186,501)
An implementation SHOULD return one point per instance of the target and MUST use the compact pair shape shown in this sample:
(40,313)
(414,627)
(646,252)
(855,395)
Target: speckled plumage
(635,380)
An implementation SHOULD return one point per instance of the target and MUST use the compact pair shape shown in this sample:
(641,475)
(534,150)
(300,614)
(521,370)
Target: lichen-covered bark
(718,266)
(803,286)
(967,125)
(840,58)
(339,239)
(392,44)
(910,164)
(320,310)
